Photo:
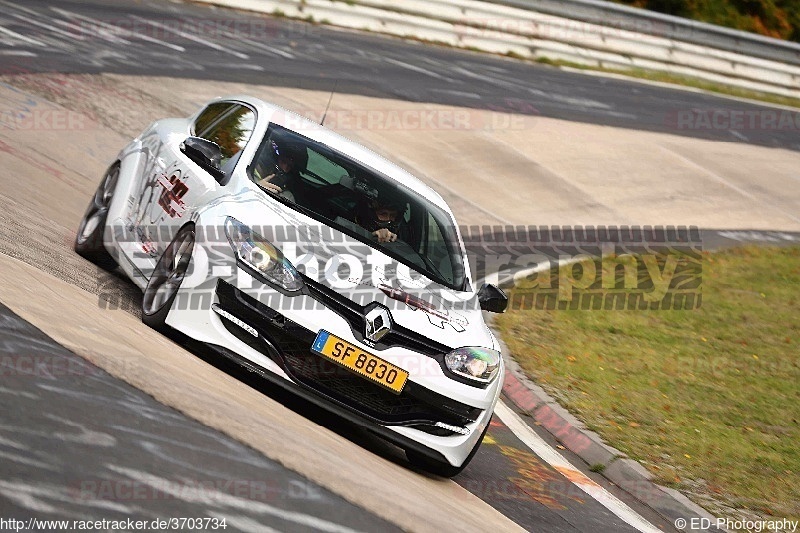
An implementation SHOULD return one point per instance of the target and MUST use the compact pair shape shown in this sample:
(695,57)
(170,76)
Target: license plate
(365,364)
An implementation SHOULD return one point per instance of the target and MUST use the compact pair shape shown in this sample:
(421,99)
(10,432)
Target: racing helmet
(284,146)
(377,214)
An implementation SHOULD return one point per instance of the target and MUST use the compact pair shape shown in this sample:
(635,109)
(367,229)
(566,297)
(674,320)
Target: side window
(209,117)
(229,125)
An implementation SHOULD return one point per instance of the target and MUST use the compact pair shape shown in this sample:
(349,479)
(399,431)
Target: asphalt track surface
(42,39)
(132,456)
(180,40)
(79,444)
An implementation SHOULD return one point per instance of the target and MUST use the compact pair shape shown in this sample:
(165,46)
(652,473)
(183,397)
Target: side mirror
(492,299)
(207,154)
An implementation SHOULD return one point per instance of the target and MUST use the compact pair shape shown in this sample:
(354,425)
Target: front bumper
(421,419)
(288,344)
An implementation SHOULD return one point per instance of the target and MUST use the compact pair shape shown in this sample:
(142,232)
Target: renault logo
(378,323)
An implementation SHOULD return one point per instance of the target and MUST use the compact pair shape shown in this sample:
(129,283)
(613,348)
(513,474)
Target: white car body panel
(154,158)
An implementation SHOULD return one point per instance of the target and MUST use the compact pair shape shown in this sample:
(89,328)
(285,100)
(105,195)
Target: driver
(384,218)
(288,160)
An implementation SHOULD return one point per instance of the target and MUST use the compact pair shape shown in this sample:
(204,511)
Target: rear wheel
(167,278)
(441,468)
(89,240)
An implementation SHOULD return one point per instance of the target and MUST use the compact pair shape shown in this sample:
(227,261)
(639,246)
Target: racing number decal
(171,198)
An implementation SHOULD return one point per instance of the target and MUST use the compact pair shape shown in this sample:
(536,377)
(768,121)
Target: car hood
(364,274)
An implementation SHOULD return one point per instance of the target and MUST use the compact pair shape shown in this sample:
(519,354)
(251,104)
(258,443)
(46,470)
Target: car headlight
(479,364)
(260,255)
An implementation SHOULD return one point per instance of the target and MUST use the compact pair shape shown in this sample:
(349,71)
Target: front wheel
(440,468)
(89,240)
(167,278)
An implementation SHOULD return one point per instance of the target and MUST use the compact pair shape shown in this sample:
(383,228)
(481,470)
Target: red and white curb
(570,432)
(575,476)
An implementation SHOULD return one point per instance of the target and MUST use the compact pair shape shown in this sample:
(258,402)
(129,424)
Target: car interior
(335,189)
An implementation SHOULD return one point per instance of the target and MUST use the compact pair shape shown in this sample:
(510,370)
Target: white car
(312,260)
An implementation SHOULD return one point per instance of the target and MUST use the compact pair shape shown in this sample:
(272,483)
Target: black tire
(89,240)
(167,278)
(440,468)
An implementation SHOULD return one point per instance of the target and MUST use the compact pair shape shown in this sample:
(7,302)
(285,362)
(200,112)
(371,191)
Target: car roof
(278,115)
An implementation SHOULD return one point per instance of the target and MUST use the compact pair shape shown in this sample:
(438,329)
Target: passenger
(384,218)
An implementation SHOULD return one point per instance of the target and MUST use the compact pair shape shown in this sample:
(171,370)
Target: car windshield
(335,189)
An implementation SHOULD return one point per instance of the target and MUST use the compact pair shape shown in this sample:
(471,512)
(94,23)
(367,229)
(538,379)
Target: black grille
(399,336)
(339,383)
(354,314)
(288,344)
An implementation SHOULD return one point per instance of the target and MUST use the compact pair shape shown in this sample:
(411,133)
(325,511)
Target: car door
(175,186)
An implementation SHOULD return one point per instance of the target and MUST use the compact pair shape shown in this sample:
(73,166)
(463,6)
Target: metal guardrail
(535,35)
(606,13)
(501,28)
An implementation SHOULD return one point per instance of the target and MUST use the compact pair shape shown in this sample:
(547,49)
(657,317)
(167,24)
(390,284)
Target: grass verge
(707,400)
